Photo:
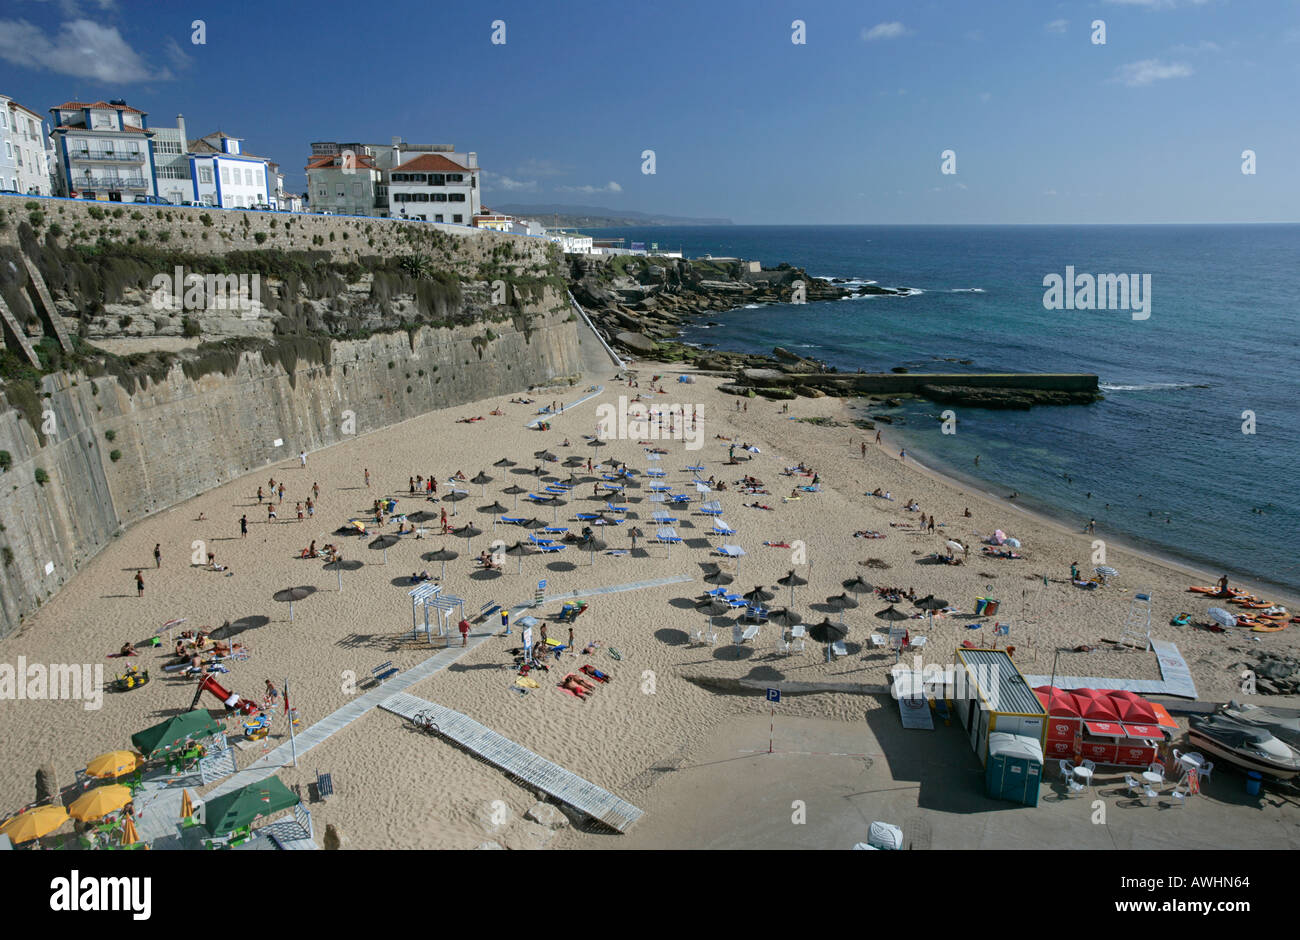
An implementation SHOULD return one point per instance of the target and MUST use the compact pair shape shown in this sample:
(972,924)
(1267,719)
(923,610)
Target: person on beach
(464,633)
(281,492)
(902,455)
(157,555)
(966,512)
(315,490)
(202,517)
(298,508)
(931,526)
(302,459)
(444,520)
(433,486)
(367,477)
(259,496)
(570,639)
(243,526)
(1091,527)
(877,437)
(412,488)
(272,693)
(1074,571)
(864,450)
(311,507)
(270,513)
(139,584)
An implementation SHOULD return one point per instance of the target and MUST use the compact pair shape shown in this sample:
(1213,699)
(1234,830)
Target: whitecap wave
(751,307)
(1148,387)
(967,290)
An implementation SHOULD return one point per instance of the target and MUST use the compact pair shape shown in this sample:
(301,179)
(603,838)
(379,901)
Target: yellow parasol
(99,802)
(113,764)
(358,524)
(34,823)
(187,807)
(129,835)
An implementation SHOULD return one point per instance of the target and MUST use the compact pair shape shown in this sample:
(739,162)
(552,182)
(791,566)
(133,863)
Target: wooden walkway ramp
(519,762)
(1175,677)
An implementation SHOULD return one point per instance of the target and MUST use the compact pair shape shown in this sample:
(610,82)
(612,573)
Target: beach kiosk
(992,697)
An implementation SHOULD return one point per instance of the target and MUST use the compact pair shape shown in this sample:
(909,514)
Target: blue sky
(1047,126)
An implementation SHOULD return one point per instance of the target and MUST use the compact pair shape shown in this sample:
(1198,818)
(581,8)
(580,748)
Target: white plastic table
(1151,777)
(1084,774)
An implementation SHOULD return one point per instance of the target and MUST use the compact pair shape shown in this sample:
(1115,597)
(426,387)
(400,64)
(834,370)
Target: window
(356,190)
(322,192)
(438,197)
(4,121)
(456,197)
(205,175)
(166,146)
(209,199)
(102,120)
(458,218)
(18,156)
(437,218)
(225,174)
(9,150)
(248,177)
(342,193)
(455,178)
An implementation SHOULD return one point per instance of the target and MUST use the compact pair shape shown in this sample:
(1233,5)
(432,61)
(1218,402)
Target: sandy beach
(397,788)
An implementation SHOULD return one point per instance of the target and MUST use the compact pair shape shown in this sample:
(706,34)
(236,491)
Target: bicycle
(424,722)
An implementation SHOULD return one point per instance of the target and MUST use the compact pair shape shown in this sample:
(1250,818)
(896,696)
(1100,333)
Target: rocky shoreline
(641,304)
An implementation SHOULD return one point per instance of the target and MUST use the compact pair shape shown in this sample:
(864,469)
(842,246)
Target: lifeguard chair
(1136,631)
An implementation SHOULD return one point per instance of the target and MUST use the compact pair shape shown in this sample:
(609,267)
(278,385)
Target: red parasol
(1095,705)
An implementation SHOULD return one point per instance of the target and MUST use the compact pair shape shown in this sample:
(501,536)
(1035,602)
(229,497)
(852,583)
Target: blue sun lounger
(721,528)
(663,518)
(667,534)
(513,520)
(712,508)
(699,468)
(731,551)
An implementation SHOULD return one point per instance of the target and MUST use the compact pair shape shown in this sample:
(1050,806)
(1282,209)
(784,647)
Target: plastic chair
(1067,769)
(1204,771)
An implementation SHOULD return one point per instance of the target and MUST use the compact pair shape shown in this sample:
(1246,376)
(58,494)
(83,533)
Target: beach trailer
(991,695)
(1015,768)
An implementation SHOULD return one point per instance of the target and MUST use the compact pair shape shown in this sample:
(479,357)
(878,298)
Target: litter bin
(980,603)
(990,608)
(1253,779)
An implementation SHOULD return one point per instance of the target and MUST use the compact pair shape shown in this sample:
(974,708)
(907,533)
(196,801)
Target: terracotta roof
(432,163)
(326,161)
(15,104)
(98,104)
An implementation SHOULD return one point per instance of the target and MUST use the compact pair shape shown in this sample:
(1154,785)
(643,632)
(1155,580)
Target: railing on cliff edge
(591,326)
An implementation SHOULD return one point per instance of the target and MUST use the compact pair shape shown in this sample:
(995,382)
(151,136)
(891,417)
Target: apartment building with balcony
(104,150)
(24,161)
(436,187)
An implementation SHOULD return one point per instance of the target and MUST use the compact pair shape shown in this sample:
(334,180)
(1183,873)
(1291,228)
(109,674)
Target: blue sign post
(773,696)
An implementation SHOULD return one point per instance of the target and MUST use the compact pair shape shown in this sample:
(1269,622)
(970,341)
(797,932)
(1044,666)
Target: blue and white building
(226,177)
(104,151)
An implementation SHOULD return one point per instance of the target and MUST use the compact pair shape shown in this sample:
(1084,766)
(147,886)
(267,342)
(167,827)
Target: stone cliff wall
(179,437)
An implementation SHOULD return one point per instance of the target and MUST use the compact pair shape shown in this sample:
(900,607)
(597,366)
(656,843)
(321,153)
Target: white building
(436,187)
(172,163)
(225,176)
(344,180)
(24,161)
(527,227)
(105,150)
(571,243)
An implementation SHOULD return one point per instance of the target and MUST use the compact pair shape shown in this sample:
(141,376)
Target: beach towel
(595,673)
(615,653)
(777,544)
(526,683)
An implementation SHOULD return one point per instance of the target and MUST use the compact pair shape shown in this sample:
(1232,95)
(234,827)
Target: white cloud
(610,187)
(1057,26)
(497,181)
(1137,74)
(82,48)
(535,167)
(884,31)
(73,8)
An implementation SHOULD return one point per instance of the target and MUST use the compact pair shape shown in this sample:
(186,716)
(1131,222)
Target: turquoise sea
(1162,462)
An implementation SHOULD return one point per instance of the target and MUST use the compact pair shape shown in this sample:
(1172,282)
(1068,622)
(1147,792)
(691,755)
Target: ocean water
(1163,457)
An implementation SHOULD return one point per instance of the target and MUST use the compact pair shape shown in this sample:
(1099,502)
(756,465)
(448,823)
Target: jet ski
(1251,747)
(1283,728)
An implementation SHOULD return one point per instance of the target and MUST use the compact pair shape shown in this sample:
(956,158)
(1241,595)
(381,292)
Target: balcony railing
(107,156)
(108,182)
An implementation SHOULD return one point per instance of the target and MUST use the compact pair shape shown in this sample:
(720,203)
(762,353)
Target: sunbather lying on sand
(469,420)
(579,687)
(595,673)
(867,534)
(777,544)
(757,505)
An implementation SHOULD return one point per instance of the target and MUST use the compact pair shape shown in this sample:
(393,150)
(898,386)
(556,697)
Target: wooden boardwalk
(519,762)
(1175,678)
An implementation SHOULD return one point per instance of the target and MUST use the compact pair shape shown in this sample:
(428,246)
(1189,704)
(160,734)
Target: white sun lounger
(663,518)
(712,508)
(668,534)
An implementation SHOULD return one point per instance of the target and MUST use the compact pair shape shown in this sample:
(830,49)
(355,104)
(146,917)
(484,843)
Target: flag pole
(288,714)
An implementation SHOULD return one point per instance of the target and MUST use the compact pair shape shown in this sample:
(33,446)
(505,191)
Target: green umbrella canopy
(240,808)
(175,732)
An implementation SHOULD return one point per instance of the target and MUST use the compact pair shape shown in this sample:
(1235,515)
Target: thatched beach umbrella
(592,545)
(791,580)
(841,602)
(713,607)
(503,462)
(469,533)
(454,497)
(759,595)
(555,503)
(292,594)
(481,479)
(930,604)
(519,550)
(514,490)
(719,577)
(857,586)
(828,631)
(595,442)
(890,613)
(343,564)
(384,542)
(443,555)
(546,456)
(422,515)
(784,617)
(496,509)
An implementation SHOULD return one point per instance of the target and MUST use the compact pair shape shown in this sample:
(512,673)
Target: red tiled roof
(431,163)
(35,114)
(327,161)
(68,105)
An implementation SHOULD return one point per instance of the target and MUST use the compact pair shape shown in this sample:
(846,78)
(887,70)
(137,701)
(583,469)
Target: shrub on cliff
(41,476)
(190,327)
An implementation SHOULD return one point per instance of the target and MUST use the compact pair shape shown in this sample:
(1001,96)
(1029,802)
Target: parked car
(9,192)
(261,206)
(152,200)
